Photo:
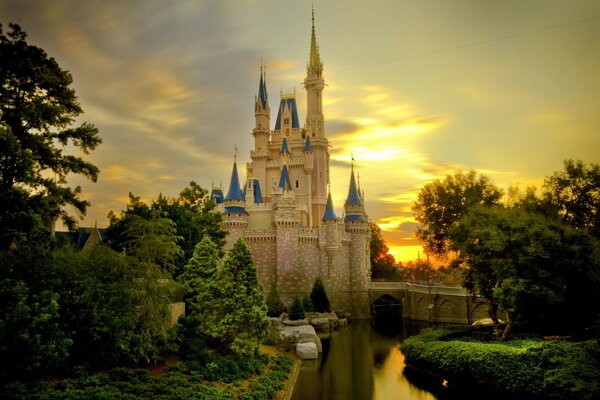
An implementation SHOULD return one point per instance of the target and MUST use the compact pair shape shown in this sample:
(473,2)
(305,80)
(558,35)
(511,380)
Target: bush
(529,368)
(274,305)
(296,310)
(318,295)
(307,303)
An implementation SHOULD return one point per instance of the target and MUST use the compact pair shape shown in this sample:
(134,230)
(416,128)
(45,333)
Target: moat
(358,363)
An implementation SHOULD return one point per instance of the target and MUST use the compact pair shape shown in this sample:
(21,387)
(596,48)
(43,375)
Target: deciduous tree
(442,203)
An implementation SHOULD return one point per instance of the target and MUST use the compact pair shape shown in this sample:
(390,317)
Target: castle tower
(360,237)
(315,129)
(261,132)
(235,217)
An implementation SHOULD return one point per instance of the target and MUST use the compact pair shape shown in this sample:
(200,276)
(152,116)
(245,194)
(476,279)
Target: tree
(296,311)
(318,295)
(542,272)
(193,216)
(199,275)
(97,303)
(238,317)
(382,263)
(274,304)
(575,193)
(37,107)
(442,203)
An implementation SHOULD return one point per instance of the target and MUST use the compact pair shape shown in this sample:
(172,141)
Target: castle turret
(235,217)
(331,235)
(261,132)
(360,238)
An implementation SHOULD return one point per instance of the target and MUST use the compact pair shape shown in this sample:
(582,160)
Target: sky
(416,90)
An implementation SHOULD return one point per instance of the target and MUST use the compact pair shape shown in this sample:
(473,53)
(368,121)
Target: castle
(284,211)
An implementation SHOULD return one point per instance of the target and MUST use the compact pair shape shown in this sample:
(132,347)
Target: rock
(302,333)
(343,322)
(348,317)
(320,324)
(275,322)
(298,322)
(334,322)
(307,351)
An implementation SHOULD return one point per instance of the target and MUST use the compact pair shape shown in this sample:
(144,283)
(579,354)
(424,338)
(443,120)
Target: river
(357,363)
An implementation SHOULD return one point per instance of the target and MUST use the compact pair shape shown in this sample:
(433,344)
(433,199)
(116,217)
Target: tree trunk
(507,330)
(493,312)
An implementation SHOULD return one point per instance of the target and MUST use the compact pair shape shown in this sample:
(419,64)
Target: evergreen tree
(198,273)
(318,295)
(297,309)
(308,303)
(274,304)
(238,316)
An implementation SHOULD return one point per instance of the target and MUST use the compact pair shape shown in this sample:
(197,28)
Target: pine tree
(318,295)
(199,273)
(297,309)
(238,316)
(274,304)
(308,303)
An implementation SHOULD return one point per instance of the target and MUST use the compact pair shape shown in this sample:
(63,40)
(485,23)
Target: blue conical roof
(291,103)
(329,214)
(284,147)
(308,145)
(262,90)
(284,181)
(235,192)
(257,194)
(353,196)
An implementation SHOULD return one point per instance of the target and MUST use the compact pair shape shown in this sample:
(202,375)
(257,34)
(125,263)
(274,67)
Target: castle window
(297,184)
(286,121)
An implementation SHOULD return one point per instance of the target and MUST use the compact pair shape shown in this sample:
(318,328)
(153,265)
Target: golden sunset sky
(416,90)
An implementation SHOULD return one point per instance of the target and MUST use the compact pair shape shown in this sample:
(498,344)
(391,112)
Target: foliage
(199,274)
(37,107)
(32,340)
(540,271)
(274,304)
(192,215)
(382,263)
(238,316)
(575,193)
(318,295)
(267,386)
(97,303)
(524,368)
(307,303)
(296,310)
(442,203)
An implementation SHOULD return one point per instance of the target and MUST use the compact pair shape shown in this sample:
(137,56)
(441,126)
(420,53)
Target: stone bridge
(435,304)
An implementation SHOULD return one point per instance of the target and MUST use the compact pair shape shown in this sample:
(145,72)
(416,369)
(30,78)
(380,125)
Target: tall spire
(353,196)
(315,58)
(329,213)
(262,86)
(235,191)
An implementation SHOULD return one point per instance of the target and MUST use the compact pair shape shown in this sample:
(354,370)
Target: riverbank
(526,368)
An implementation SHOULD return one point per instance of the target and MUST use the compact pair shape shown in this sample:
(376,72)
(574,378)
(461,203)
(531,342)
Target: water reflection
(357,363)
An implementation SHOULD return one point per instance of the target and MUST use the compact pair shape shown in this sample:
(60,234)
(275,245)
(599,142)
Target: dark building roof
(235,210)
(291,103)
(262,89)
(78,238)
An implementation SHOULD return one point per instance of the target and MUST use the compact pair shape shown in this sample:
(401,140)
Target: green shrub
(274,305)
(296,310)
(307,303)
(529,368)
(319,298)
